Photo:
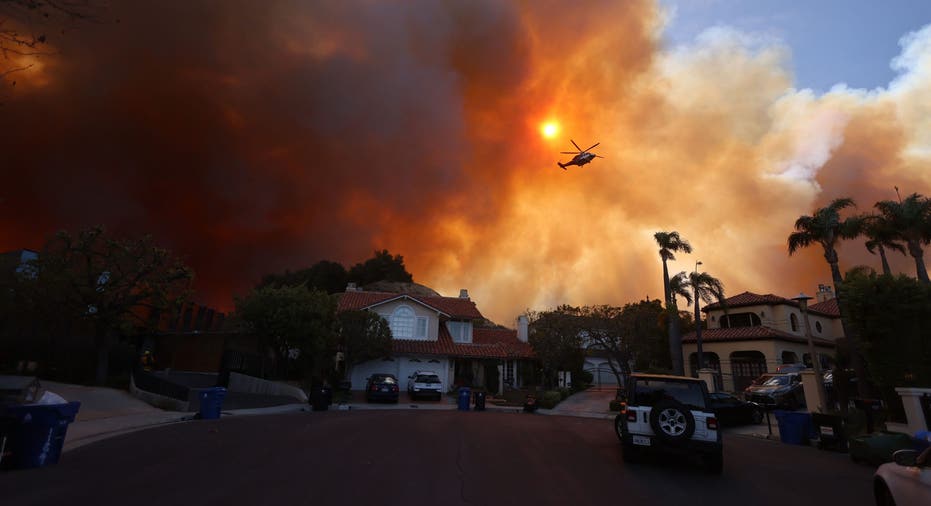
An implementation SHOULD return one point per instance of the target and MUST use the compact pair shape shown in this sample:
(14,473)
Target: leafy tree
(325,275)
(381,267)
(364,336)
(113,287)
(670,243)
(634,332)
(298,324)
(825,227)
(891,314)
(881,235)
(911,219)
(556,337)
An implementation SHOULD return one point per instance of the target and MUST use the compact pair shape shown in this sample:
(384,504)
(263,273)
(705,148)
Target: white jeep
(669,414)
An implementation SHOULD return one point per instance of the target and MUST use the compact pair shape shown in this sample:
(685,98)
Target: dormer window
(740,320)
(461,332)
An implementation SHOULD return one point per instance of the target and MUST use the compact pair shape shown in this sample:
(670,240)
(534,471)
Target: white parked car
(425,384)
(906,481)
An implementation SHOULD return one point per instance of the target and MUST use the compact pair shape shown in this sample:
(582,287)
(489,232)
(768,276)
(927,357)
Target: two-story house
(444,335)
(757,333)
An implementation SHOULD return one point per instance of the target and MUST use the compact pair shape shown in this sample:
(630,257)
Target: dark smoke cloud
(251,137)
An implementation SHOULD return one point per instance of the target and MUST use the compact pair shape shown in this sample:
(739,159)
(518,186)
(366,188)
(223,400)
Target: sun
(549,129)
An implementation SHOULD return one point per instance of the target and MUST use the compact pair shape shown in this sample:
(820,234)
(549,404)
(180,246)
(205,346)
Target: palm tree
(911,218)
(669,244)
(695,287)
(882,235)
(825,227)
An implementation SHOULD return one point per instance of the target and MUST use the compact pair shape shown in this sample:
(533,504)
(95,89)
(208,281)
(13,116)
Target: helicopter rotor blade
(570,152)
(593,145)
(576,145)
(598,156)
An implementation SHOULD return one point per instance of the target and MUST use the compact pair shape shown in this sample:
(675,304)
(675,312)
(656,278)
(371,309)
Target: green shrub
(563,393)
(550,399)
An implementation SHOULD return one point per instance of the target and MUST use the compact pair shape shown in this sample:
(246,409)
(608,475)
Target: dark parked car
(381,387)
(732,411)
(777,391)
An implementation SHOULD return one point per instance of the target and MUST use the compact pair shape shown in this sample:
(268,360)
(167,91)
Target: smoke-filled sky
(253,137)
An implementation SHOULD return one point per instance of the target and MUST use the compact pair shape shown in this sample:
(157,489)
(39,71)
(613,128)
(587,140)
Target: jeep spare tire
(672,421)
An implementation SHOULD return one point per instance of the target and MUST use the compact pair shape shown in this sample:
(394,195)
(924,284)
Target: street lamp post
(701,359)
(802,300)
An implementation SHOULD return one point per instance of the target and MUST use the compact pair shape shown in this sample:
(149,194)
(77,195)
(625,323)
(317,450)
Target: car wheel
(672,421)
(883,495)
(714,463)
(756,416)
(619,427)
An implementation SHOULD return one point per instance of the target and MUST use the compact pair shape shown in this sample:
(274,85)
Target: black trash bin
(870,407)
(479,401)
(832,431)
(321,397)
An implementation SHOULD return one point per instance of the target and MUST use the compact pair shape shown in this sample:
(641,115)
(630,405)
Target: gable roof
(827,308)
(752,334)
(453,307)
(486,343)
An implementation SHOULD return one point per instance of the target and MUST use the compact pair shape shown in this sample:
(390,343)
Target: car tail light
(623,408)
(712,423)
(394,388)
(374,387)
(631,416)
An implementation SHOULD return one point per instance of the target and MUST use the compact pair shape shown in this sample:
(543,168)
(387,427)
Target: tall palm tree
(670,243)
(881,236)
(911,219)
(826,228)
(696,287)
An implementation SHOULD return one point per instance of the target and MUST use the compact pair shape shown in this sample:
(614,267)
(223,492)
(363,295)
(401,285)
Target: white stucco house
(758,333)
(441,334)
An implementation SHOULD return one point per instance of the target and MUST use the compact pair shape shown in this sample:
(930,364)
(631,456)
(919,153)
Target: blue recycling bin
(922,440)
(211,403)
(36,433)
(794,428)
(465,395)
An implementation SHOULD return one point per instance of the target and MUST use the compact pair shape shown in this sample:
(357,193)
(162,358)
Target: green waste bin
(877,448)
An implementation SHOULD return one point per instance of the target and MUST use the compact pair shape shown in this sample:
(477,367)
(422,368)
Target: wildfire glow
(549,129)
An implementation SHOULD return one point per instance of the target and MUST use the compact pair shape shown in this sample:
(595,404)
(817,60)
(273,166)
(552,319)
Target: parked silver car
(906,481)
(425,384)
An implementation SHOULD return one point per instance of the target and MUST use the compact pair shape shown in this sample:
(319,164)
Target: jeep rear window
(427,379)
(649,392)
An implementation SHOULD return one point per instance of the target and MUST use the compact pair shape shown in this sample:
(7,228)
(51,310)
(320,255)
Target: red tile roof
(453,307)
(486,343)
(826,308)
(752,334)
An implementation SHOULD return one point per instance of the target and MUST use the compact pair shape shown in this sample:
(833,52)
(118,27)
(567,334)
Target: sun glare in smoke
(549,129)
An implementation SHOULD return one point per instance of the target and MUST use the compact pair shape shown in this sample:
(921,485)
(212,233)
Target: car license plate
(384,389)
(641,441)
(827,431)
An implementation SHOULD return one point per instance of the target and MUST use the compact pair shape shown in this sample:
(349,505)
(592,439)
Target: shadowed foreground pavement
(421,457)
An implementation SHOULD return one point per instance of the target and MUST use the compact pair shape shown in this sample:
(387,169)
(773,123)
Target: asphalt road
(422,458)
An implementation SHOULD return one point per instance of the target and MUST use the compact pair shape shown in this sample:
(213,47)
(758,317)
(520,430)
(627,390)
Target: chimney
(522,328)
(463,294)
(825,292)
(351,287)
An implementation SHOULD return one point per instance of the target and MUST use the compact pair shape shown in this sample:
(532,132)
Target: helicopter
(582,156)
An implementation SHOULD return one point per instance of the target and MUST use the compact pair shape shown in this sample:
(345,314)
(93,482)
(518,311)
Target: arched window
(793,321)
(402,323)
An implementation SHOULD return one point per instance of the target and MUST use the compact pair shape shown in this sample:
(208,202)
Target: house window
(740,320)
(818,327)
(461,332)
(434,361)
(421,327)
(402,323)
(793,321)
